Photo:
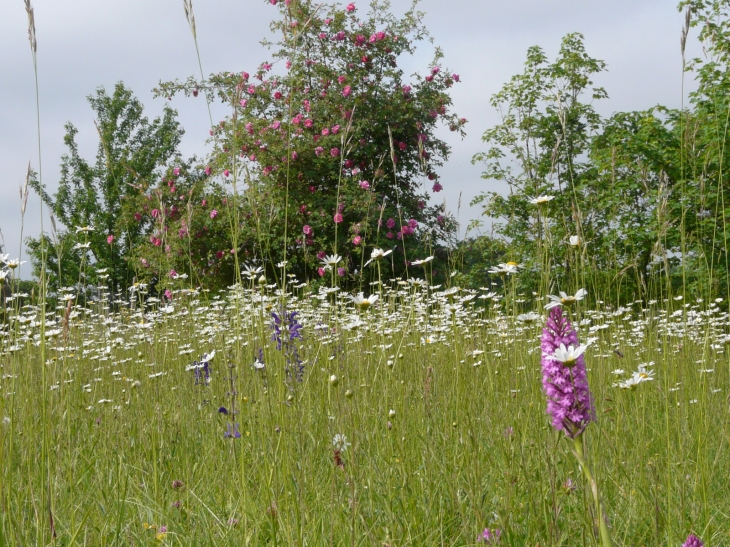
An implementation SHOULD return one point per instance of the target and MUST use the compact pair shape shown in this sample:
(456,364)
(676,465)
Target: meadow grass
(438,394)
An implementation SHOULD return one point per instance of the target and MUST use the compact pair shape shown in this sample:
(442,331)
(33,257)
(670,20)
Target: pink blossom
(391,223)
(456,77)
(421,204)
(435,70)
(307,230)
(346,91)
(173,274)
(208,170)
(318,151)
(145,263)
(155,213)
(335,129)
(322,35)
(338,218)
(308,123)
(437,187)
(356,240)
(320,271)
(243,103)
(364,184)
(168,295)
(406,90)
(273,2)
(276,125)
(389,235)
(176,171)
(380,35)
(413,223)
(341,272)
(226,173)
(334,152)
(341,79)
(294,156)
(325,131)
(244,76)
(327,21)
(213,213)
(204,202)
(110,239)
(137,217)
(219,255)
(321,255)
(350,7)
(340,36)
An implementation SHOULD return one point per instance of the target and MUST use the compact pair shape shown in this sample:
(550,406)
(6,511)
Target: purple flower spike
(570,404)
(693,541)
(490,537)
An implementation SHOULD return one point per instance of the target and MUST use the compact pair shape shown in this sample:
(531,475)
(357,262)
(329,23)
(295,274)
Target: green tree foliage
(540,150)
(336,149)
(92,200)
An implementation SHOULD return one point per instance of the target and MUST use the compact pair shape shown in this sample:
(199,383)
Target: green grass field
(112,438)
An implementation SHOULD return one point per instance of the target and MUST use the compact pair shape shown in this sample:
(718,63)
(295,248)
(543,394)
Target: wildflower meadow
(286,341)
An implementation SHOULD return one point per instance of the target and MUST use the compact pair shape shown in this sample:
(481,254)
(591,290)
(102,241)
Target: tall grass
(439,396)
(417,421)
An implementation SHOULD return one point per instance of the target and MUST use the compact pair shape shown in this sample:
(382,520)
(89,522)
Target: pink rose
(356,240)
(307,230)
(213,213)
(110,239)
(350,7)
(320,271)
(338,218)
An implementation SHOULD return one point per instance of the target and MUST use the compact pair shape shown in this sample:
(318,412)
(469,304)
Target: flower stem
(602,526)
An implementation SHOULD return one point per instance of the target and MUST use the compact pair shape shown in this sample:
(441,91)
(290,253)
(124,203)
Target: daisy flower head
(568,356)
(505,268)
(565,299)
(575,241)
(423,261)
(539,200)
(330,261)
(378,254)
(364,303)
(339,441)
(12,264)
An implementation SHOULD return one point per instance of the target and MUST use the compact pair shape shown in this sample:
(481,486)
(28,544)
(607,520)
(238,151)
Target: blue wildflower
(232,431)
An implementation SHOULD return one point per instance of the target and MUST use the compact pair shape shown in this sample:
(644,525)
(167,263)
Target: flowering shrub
(336,140)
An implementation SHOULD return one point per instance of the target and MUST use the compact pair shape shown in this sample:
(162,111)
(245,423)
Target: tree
(335,151)
(546,127)
(99,229)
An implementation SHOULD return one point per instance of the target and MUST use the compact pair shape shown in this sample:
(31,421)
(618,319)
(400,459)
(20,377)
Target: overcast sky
(84,44)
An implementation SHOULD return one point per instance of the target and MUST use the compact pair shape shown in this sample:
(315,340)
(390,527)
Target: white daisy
(565,299)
